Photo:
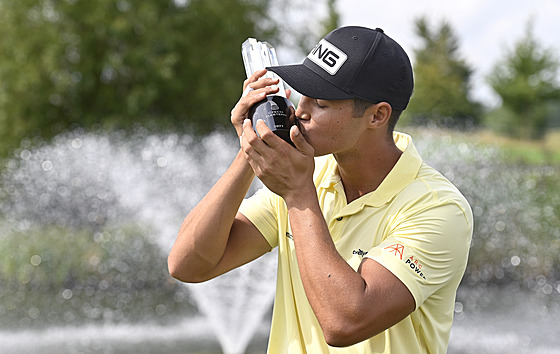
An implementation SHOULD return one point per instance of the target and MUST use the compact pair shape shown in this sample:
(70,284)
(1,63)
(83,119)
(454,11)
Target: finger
(265,82)
(257,74)
(247,128)
(288,93)
(241,109)
(249,135)
(259,80)
(246,147)
(249,98)
(299,141)
(268,135)
(247,90)
(255,77)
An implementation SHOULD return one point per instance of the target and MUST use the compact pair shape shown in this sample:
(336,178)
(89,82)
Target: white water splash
(91,180)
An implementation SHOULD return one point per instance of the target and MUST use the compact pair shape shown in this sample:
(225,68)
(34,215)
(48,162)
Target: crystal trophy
(276,110)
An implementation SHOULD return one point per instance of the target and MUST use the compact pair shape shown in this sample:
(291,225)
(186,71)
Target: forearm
(334,289)
(204,234)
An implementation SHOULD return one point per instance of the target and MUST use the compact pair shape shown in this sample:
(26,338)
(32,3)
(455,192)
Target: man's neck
(363,172)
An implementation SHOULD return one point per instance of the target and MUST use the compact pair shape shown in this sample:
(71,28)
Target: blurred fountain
(101,184)
(95,181)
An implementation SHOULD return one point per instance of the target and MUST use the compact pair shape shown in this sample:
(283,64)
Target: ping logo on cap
(327,56)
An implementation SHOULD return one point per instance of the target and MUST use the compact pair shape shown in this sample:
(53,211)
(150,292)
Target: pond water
(501,323)
(90,218)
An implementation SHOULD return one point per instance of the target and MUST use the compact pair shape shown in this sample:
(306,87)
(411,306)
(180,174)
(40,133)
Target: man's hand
(255,89)
(286,171)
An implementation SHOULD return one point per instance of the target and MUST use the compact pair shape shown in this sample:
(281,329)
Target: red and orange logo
(397,249)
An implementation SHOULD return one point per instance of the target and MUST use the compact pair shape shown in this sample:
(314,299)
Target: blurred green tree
(442,80)
(164,64)
(526,79)
(332,20)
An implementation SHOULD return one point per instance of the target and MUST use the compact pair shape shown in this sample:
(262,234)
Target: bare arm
(214,238)
(350,305)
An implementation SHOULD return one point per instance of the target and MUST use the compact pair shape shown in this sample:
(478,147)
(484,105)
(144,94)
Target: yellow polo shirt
(416,224)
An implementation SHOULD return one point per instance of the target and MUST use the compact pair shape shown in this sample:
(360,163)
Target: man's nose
(301,111)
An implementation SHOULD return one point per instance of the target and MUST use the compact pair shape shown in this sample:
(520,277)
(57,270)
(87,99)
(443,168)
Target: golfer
(372,242)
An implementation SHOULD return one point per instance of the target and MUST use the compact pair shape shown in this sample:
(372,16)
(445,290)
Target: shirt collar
(403,173)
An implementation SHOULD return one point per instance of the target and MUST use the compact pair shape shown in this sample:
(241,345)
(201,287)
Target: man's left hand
(284,170)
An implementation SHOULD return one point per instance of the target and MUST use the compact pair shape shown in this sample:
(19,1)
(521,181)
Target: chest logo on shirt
(359,252)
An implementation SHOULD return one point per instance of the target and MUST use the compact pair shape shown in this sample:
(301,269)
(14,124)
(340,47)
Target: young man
(372,242)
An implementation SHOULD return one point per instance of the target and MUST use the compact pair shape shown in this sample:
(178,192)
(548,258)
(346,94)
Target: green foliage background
(442,80)
(171,65)
(526,80)
(52,275)
(118,63)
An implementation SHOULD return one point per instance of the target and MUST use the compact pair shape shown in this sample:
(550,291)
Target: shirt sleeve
(428,249)
(260,209)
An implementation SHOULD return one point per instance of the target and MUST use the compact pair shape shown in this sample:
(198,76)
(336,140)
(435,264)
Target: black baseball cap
(353,62)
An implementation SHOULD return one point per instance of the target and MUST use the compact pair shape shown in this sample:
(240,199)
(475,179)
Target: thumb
(300,142)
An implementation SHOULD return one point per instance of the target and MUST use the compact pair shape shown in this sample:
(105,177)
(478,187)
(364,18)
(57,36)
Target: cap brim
(308,83)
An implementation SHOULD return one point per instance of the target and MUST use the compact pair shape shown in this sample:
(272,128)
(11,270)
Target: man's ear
(379,114)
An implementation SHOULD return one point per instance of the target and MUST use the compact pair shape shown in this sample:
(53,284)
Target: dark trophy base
(278,113)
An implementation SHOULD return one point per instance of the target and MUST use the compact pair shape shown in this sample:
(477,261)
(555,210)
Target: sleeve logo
(397,249)
(415,266)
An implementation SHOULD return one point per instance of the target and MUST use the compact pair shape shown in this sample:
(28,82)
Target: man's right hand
(255,89)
